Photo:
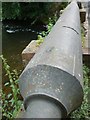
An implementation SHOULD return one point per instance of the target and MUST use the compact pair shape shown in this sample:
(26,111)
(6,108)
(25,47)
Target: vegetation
(30,10)
(10,102)
(41,37)
(84,110)
(39,40)
(83,36)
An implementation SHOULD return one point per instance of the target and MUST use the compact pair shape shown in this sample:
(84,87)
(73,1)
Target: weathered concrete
(86,51)
(29,52)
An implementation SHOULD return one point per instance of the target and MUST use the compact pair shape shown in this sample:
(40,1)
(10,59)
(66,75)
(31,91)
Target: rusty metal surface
(55,71)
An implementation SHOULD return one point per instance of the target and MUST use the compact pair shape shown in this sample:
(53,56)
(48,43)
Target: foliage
(10,102)
(24,10)
(30,10)
(41,37)
(10,10)
(84,110)
(64,4)
(39,40)
(83,36)
(51,22)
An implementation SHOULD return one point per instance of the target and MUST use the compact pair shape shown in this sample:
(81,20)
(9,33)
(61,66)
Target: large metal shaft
(51,83)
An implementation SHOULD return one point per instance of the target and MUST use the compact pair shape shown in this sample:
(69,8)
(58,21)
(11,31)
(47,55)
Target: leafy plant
(10,10)
(39,40)
(41,36)
(30,10)
(10,102)
(83,36)
(84,110)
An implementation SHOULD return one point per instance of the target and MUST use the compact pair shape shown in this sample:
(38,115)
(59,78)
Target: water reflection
(15,37)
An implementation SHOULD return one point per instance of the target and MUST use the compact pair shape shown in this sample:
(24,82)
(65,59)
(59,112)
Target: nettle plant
(10,102)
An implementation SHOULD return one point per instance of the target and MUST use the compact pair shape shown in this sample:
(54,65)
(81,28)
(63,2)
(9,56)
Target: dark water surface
(15,37)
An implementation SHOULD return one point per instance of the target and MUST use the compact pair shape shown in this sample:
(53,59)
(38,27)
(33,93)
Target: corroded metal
(51,83)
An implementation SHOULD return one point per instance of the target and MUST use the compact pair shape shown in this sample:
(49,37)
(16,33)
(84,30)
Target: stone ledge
(86,51)
(29,52)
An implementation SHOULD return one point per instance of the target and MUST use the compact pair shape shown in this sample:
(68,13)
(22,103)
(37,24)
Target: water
(15,37)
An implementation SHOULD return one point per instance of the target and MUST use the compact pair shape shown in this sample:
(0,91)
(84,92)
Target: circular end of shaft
(41,107)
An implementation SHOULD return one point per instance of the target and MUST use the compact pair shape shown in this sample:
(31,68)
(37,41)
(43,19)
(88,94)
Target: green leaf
(9,95)
(6,84)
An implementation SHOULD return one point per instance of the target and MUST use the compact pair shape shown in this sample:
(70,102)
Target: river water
(15,37)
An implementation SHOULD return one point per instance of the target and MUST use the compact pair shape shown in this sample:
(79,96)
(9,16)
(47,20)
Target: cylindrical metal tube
(53,77)
(44,107)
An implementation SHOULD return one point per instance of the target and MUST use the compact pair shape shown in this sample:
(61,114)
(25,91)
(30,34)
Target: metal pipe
(51,83)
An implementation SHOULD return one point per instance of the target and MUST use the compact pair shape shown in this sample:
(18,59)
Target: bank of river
(15,37)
